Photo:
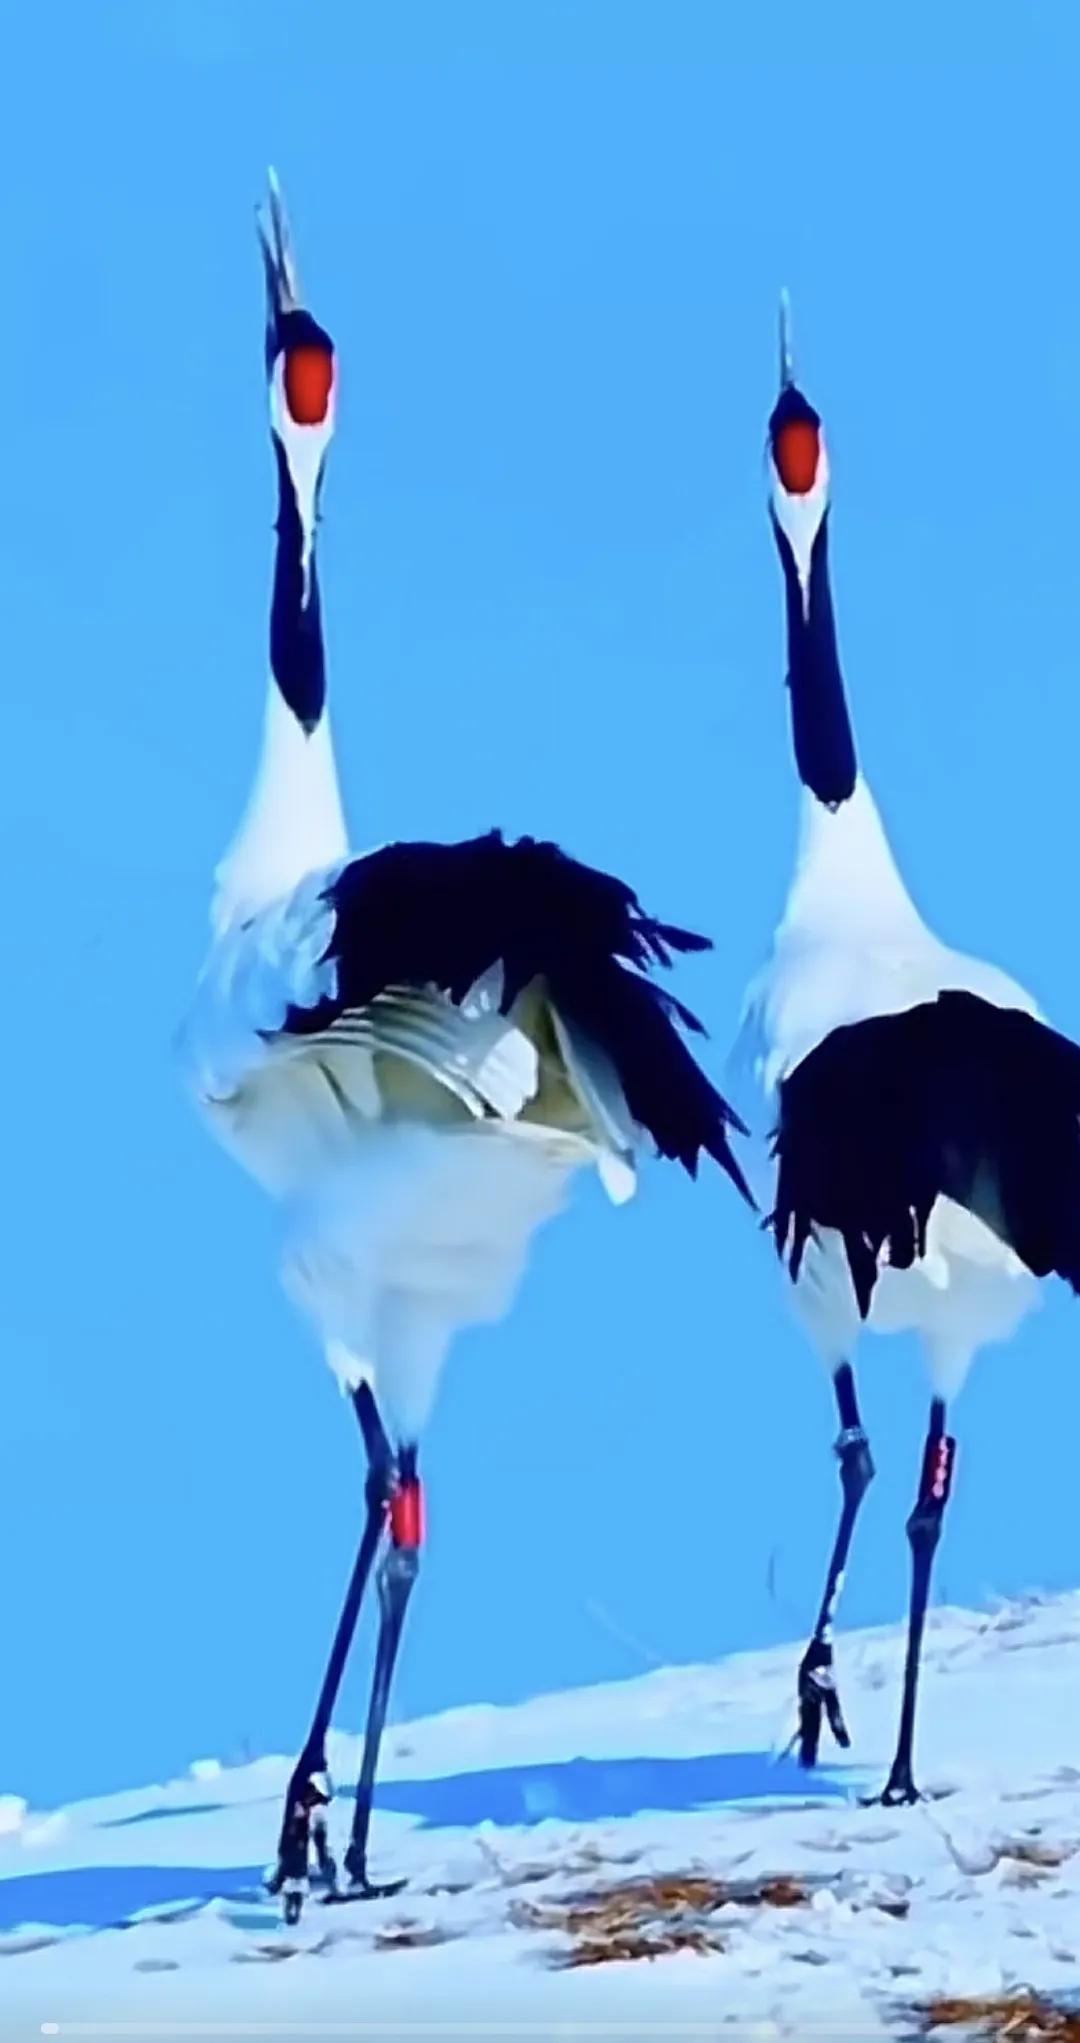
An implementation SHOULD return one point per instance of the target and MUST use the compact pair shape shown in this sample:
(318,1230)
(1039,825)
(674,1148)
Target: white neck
(846,881)
(294,823)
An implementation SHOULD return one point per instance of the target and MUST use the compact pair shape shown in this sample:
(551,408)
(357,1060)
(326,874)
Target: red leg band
(407,1514)
(938,1463)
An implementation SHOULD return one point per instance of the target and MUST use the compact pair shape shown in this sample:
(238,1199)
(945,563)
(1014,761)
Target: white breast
(850,945)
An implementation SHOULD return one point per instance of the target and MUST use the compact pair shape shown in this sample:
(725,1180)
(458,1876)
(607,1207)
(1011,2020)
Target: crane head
(300,361)
(798,461)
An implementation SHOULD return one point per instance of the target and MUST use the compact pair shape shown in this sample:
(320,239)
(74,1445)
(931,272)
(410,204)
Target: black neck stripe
(296,642)
(821,727)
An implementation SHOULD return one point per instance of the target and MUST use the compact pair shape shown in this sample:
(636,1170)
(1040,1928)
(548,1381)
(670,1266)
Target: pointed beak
(787,360)
(279,265)
(800,469)
(795,438)
(299,352)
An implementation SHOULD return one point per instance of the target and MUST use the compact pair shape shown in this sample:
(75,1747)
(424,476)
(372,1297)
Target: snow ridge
(656,1805)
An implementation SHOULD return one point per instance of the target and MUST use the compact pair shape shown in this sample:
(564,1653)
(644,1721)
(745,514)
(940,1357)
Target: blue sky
(548,240)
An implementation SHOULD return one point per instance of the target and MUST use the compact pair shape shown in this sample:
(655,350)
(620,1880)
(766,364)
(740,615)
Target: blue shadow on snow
(573,1791)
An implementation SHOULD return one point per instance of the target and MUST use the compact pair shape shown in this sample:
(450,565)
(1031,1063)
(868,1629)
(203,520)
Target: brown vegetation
(651,1916)
(1012,2018)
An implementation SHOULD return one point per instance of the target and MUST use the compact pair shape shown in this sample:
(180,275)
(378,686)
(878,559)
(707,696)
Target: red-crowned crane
(927,1121)
(413,1050)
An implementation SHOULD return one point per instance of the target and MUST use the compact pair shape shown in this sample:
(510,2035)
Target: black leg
(924,1531)
(303,1828)
(396,1577)
(817,1679)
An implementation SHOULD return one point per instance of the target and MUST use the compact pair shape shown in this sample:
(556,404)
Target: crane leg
(304,1825)
(818,1694)
(924,1532)
(397,1574)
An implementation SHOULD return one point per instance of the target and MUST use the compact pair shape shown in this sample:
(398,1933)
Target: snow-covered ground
(144,1908)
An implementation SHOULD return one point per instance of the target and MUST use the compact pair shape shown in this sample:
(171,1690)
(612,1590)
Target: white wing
(596,1083)
(288,1101)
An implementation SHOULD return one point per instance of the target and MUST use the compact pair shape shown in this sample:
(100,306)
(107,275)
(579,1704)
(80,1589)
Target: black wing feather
(444,914)
(954,1098)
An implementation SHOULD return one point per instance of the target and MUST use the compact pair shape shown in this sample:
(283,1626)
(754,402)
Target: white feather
(293,824)
(968,1291)
(419,1233)
(596,1082)
(416,1144)
(851,945)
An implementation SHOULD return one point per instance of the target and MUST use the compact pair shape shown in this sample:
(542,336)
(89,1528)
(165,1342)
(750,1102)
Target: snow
(144,1908)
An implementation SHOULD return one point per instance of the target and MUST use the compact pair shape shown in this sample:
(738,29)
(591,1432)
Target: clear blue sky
(548,239)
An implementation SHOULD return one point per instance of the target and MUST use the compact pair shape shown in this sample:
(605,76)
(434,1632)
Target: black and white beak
(300,364)
(798,460)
